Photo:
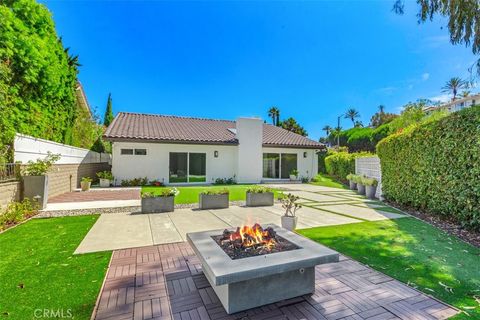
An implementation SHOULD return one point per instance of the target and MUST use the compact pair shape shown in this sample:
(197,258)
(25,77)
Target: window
(288,163)
(279,165)
(187,167)
(126,151)
(140,152)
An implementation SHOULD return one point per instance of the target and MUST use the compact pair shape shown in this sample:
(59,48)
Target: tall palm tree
(454,85)
(381,108)
(352,114)
(274,113)
(327,129)
(465,93)
(358,124)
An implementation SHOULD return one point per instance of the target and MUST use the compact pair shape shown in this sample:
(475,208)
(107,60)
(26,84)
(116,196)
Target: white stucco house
(187,150)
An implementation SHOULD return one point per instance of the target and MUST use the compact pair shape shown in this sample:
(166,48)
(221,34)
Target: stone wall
(370,166)
(9,191)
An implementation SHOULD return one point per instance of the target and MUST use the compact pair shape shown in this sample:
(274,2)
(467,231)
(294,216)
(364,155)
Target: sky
(225,59)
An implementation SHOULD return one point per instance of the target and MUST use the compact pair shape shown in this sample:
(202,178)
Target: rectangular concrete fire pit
(251,282)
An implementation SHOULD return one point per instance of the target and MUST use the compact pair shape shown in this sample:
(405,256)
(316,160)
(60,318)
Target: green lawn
(189,194)
(39,271)
(326,181)
(413,252)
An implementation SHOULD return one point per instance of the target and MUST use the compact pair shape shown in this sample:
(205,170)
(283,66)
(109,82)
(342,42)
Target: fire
(254,236)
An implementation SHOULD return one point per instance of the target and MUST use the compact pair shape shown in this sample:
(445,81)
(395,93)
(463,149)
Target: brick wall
(9,191)
(370,166)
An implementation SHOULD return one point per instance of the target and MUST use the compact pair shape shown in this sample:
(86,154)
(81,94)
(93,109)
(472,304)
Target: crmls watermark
(53,313)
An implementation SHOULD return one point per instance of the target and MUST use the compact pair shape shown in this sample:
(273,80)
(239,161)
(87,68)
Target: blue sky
(313,60)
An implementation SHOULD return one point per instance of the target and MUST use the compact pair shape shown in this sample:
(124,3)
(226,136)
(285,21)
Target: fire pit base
(244,295)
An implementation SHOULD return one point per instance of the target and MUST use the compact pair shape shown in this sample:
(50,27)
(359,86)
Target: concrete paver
(188,220)
(369,214)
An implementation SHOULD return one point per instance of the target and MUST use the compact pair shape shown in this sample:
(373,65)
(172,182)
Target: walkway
(166,282)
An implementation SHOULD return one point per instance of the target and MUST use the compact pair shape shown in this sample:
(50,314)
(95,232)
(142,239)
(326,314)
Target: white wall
(155,165)
(250,136)
(370,166)
(307,167)
(28,148)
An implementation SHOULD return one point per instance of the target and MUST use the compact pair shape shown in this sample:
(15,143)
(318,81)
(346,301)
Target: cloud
(442,98)
(425,76)
(387,90)
(436,41)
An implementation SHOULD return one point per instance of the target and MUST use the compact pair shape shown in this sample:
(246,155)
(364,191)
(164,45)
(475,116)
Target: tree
(381,108)
(454,85)
(291,125)
(274,113)
(108,118)
(463,20)
(465,93)
(352,114)
(358,124)
(327,130)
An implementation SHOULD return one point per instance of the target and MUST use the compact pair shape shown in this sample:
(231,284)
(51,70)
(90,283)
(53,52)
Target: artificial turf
(38,270)
(326,181)
(415,253)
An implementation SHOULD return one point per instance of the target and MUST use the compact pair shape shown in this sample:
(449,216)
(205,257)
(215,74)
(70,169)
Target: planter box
(104,183)
(259,199)
(213,201)
(289,223)
(370,191)
(35,188)
(361,188)
(353,185)
(158,204)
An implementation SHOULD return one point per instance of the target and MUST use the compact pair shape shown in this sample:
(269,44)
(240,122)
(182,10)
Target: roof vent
(232,130)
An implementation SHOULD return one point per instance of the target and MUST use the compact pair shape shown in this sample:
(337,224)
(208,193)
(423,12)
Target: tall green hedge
(435,167)
(340,164)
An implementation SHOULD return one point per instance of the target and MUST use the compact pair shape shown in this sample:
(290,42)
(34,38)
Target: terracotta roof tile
(174,129)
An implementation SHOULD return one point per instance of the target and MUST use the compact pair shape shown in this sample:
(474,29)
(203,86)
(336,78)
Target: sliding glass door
(187,167)
(289,163)
(279,165)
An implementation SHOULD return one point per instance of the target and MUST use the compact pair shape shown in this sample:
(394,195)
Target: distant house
(81,97)
(186,150)
(456,105)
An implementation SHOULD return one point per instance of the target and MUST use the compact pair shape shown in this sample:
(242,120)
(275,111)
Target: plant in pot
(161,201)
(370,187)
(214,199)
(259,196)
(105,177)
(294,174)
(360,185)
(289,219)
(35,179)
(352,179)
(85,183)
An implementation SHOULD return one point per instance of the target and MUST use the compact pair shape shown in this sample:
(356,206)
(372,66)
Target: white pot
(104,183)
(293,177)
(289,223)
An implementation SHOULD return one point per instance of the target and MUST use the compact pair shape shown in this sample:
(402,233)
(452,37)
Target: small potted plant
(86,183)
(105,177)
(352,181)
(213,199)
(35,179)
(289,219)
(294,175)
(370,187)
(360,186)
(162,201)
(259,196)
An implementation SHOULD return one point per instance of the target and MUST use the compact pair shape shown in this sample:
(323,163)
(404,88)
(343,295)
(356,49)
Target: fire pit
(253,266)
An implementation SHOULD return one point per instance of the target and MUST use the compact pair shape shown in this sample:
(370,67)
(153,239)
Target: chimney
(250,138)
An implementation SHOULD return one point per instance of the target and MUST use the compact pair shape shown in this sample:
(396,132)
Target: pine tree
(108,118)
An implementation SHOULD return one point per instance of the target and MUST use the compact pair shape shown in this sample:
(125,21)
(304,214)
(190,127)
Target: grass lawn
(326,181)
(413,252)
(39,271)
(189,194)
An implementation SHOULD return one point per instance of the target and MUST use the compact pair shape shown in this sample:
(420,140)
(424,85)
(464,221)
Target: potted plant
(289,219)
(105,177)
(86,183)
(214,199)
(162,201)
(35,179)
(259,196)
(360,185)
(352,181)
(370,187)
(294,175)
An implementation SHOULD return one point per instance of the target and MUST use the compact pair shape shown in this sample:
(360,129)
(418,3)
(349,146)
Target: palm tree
(381,108)
(465,93)
(358,124)
(327,129)
(352,114)
(274,113)
(454,85)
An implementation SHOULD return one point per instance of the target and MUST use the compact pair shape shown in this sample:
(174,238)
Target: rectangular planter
(158,204)
(213,201)
(361,188)
(259,199)
(35,188)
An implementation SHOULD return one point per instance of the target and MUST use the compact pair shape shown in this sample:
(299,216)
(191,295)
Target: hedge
(340,164)
(435,167)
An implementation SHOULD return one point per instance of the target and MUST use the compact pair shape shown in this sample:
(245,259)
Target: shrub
(435,167)
(17,212)
(214,192)
(220,181)
(135,182)
(86,179)
(166,192)
(41,166)
(369,181)
(105,175)
(340,164)
(259,189)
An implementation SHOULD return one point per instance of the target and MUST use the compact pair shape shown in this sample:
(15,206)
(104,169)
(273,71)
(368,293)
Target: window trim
(127,154)
(140,154)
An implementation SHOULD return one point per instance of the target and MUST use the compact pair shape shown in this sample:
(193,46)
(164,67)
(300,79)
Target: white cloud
(425,76)
(441,98)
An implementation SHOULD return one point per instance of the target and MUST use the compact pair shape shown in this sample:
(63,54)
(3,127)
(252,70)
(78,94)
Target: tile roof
(175,129)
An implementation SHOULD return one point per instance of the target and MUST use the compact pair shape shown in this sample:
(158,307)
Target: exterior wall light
(215,154)
(305,154)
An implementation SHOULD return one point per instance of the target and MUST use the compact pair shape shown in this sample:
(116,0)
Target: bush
(435,167)
(17,212)
(222,181)
(135,182)
(340,164)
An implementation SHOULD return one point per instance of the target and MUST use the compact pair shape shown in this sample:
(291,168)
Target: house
(455,105)
(176,149)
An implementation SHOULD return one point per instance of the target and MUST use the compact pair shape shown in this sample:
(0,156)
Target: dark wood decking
(166,282)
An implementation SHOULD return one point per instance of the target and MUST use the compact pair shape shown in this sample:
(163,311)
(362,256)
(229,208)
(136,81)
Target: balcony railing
(9,172)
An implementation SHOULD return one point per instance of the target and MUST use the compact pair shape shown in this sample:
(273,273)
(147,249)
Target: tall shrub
(340,164)
(435,166)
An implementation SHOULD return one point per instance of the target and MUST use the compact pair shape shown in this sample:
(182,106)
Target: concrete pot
(259,199)
(293,177)
(370,191)
(85,185)
(213,201)
(289,223)
(360,188)
(35,188)
(353,184)
(104,183)
(158,204)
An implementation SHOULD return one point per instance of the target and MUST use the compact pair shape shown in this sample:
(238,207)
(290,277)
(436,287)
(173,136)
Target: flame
(252,236)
